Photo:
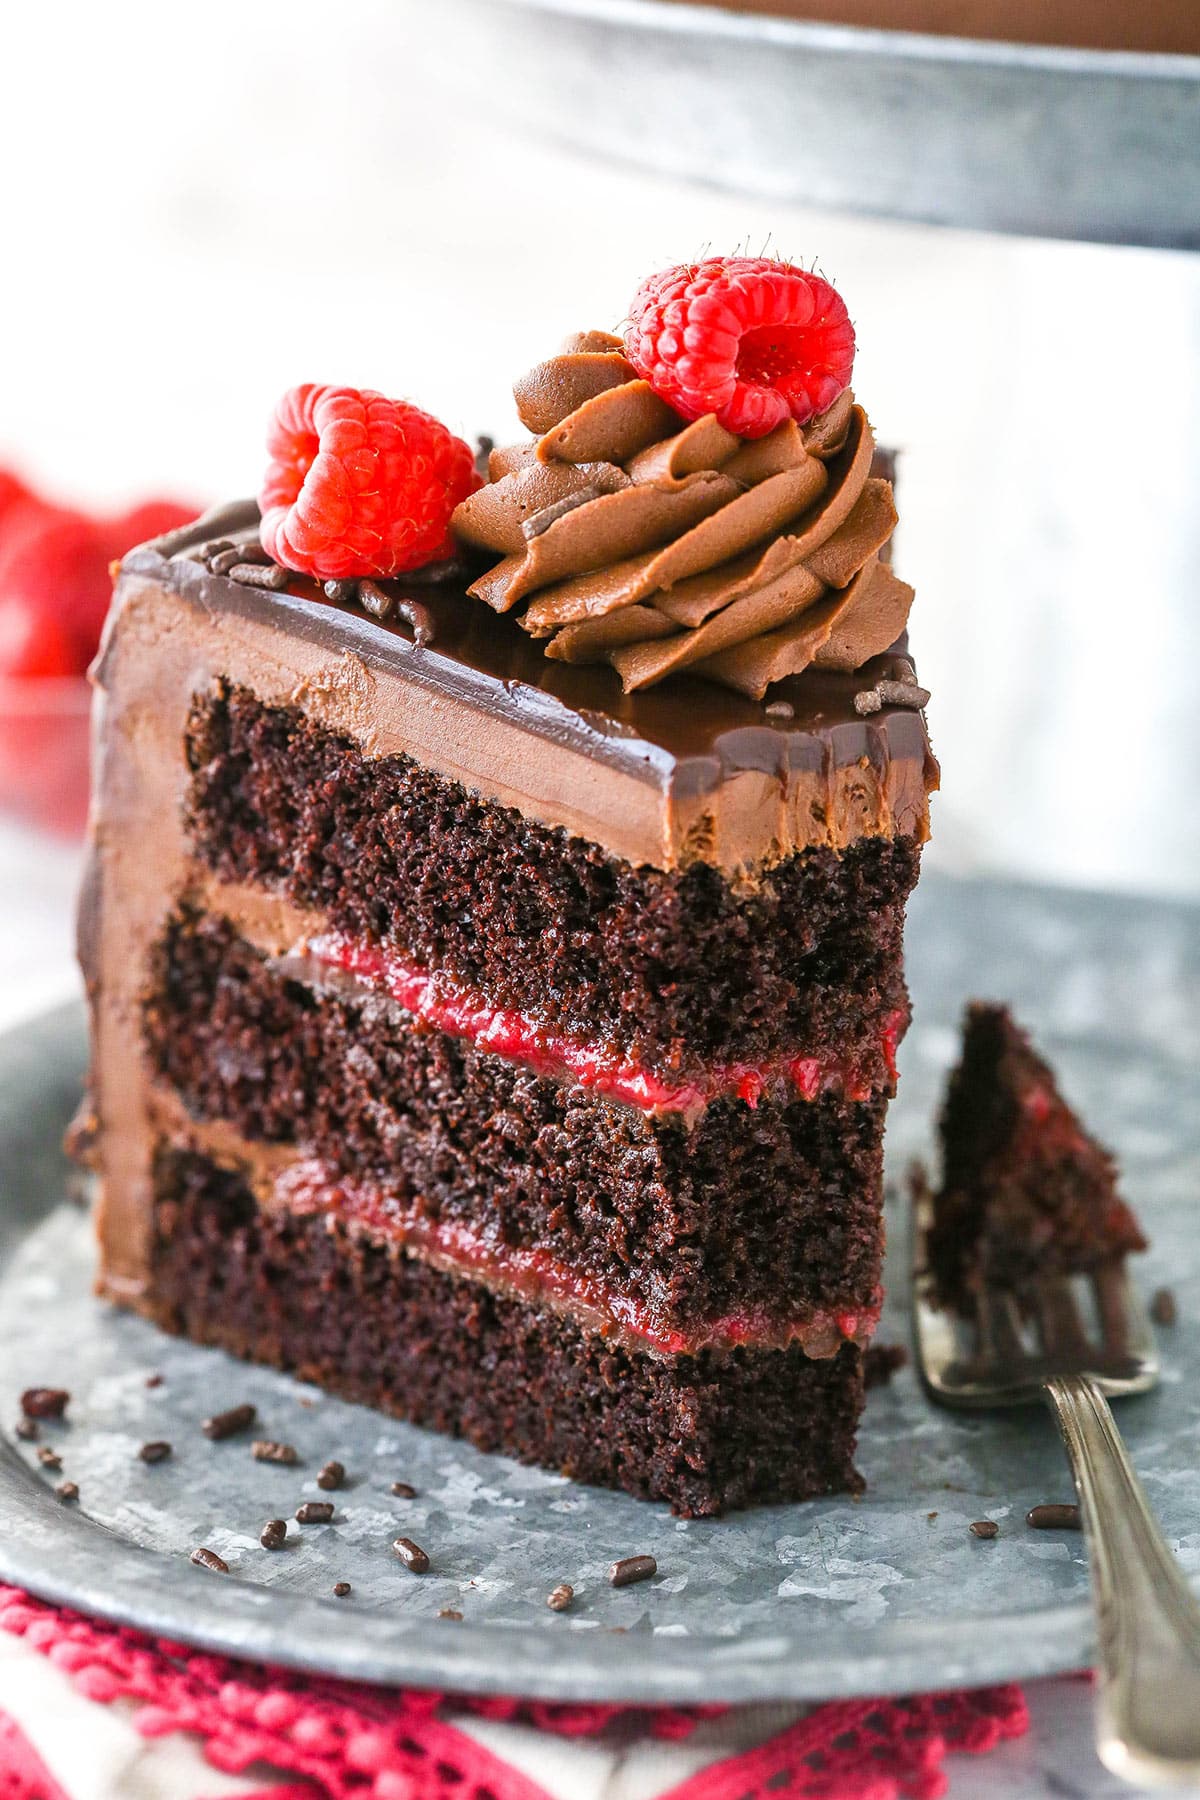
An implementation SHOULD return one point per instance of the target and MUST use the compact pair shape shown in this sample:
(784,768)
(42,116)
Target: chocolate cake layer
(341,1308)
(753,1216)
(678,967)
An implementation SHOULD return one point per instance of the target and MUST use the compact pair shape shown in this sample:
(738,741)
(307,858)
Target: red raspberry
(54,588)
(752,340)
(33,642)
(13,491)
(139,524)
(359,485)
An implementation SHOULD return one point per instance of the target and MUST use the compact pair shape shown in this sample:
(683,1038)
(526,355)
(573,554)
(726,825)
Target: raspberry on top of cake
(494,931)
(1026,1190)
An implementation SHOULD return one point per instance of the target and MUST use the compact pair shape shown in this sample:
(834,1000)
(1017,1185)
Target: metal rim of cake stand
(1043,140)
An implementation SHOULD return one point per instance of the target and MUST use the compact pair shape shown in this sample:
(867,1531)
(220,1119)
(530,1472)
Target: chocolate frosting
(631,537)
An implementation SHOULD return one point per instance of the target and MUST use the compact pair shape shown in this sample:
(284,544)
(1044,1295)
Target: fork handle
(1148,1623)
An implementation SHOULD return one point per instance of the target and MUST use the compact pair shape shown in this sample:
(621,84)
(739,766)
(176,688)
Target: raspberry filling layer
(436,1002)
(535,1275)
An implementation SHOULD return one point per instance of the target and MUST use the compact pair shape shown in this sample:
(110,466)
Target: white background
(202,206)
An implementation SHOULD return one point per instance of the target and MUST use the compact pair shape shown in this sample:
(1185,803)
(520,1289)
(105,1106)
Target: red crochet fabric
(357,1743)
(23,1774)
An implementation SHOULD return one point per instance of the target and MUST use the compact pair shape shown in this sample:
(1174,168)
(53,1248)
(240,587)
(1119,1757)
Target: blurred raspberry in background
(55,585)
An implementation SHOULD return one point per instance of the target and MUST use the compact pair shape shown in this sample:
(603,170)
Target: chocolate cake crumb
(156,1451)
(258,575)
(560,1597)
(630,1569)
(273,1535)
(45,1402)
(208,1559)
(49,1459)
(867,702)
(314,1512)
(227,1424)
(330,1476)
(403,1491)
(1053,1515)
(902,693)
(27,1430)
(67,1490)
(1163,1308)
(984,1528)
(341,1589)
(449,1612)
(267,1450)
(411,1555)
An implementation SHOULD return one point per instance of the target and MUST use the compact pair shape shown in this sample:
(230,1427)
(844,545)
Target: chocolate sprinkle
(331,1476)
(341,1589)
(419,619)
(67,1490)
(867,702)
(411,1555)
(44,1403)
(559,1598)
(49,1459)
(226,1424)
(314,1512)
(984,1528)
(154,1381)
(208,1559)
(344,592)
(630,1569)
(267,1450)
(1163,1309)
(273,1535)
(779,709)
(376,600)
(403,1491)
(156,1451)
(26,1429)
(902,693)
(449,1612)
(1054,1516)
(224,560)
(259,575)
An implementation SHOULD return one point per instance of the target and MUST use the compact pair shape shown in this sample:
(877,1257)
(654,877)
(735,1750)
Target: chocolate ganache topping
(631,536)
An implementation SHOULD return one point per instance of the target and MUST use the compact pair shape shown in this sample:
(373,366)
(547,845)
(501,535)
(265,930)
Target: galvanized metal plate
(1052,142)
(830,1598)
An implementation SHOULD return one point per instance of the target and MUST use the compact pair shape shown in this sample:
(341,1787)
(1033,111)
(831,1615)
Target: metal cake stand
(1047,141)
(836,1597)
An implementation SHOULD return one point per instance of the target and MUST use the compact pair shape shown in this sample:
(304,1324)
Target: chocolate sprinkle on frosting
(259,575)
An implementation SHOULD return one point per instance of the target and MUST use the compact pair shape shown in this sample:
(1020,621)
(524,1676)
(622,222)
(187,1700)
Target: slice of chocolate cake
(493,1017)
(1025,1190)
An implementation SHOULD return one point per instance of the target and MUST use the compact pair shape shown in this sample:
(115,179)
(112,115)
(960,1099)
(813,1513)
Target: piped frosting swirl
(632,537)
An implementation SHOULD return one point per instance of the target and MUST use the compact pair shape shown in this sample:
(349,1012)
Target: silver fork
(1148,1622)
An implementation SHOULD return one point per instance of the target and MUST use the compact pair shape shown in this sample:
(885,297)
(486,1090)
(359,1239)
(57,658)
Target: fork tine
(1060,1325)
(998,1321)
